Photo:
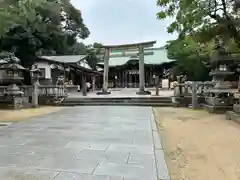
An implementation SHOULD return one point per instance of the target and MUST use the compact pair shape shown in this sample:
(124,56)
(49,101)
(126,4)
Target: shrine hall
(124,67)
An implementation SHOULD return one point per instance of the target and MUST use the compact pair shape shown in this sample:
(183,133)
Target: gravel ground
(199,145)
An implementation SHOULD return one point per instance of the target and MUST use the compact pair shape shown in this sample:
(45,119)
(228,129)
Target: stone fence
(47,94)
(185,89)
(46,90)
(185,93)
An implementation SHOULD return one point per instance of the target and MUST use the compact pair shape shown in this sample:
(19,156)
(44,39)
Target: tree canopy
(198,23)
(32,27)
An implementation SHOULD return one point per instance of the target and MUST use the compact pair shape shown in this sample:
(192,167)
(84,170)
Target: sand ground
(23,114)
(199,145)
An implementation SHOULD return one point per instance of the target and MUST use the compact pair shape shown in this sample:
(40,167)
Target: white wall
(47,68)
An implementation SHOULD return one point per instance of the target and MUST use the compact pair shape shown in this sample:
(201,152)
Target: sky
(113,22)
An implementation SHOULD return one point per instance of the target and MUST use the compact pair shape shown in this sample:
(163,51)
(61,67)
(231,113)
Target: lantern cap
(10,61)
(12,66)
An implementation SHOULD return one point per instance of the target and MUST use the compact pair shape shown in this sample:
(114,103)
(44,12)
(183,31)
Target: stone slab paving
(84,143)
(121,93)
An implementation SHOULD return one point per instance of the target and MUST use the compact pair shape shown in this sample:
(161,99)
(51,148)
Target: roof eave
(53,60)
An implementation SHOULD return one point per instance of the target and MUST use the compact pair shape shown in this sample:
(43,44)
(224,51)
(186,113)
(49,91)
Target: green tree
(93,50)
(97,45)
(191,58)
(31,27)
(203,18)
(198,23)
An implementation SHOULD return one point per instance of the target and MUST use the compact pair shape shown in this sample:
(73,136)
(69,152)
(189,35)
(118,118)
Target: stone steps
(122,101)
(116,104)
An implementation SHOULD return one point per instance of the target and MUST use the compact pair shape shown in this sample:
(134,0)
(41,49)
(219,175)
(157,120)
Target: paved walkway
(84,143)
(120,93)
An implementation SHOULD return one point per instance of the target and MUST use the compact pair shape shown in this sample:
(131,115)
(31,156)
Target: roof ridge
(63,55)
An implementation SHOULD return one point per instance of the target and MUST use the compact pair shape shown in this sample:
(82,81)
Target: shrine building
(124,67)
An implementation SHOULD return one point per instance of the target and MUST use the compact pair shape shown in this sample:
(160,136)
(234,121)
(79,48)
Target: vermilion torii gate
(133,47)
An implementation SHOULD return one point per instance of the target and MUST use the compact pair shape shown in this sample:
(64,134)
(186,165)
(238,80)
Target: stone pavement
(84,143)
(124,92)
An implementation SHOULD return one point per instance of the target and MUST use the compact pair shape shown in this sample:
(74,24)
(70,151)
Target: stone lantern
(221,97)
(235,114)
(35,74)
(13,76)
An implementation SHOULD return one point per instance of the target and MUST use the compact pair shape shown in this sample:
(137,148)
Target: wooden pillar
(157,85)
(130,80)
(122,79)
(151,78)
(126,79)
(136,77)
(141,71)
(146,77)
(106,69)
(84,86)
(117,80)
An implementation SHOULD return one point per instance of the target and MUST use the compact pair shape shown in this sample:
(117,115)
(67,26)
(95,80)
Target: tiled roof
(65,59)
(159,57)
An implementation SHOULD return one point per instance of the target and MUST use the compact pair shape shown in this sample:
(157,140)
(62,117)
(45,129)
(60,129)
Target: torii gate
(137,46)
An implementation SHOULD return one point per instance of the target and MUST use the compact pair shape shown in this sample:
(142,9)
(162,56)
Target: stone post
(35,73)
(106,69)
(93,83)
(141,71)
(194,95)
(35,93)
(180,85)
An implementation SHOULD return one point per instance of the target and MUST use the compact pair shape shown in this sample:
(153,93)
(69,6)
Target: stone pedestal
(14,97)
(217,105)
(235,114)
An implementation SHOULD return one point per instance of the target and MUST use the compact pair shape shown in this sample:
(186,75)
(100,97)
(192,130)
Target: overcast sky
(123,21)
